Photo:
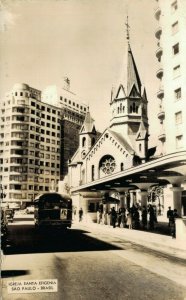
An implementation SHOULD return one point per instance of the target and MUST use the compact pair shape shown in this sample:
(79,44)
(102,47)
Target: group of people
(132,218)
(135,218)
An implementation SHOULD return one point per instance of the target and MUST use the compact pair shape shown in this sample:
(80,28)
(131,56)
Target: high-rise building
(171,49)
(36,140)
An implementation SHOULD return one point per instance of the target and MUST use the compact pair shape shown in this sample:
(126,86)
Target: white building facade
(34,139)
(170,53)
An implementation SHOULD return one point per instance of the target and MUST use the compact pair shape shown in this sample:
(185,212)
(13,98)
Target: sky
(42,41)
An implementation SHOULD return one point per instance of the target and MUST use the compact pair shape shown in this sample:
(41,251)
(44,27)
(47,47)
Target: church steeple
(88,124)
(129,102)
(87,135)
(133,79)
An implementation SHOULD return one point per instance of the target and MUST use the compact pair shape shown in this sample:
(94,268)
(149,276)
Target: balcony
(159,53)
(159,73)
(158,33)
(161,114)
(162,137)
(160,93)
(157,13)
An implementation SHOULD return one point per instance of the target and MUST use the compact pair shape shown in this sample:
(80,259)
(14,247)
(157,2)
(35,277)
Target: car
(9,214)
(30,210)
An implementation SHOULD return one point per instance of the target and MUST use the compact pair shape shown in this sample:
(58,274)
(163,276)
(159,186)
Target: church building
(124,144)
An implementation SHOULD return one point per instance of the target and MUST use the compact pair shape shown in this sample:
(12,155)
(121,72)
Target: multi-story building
(171,49)
(36,141)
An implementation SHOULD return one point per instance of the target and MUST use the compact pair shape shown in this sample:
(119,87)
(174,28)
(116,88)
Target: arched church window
(93,172)
(122,166)
(92,141)
(134,107)
(118,110)
(83,141)
(123,109)
(140,147)
(107,164)
(131,109)
(120,107)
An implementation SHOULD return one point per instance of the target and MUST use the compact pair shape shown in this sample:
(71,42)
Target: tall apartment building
(171,72)
(36,141)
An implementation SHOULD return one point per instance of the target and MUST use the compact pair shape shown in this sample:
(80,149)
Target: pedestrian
(129,220)
(74,210)
(80,214)
(144,217)
(123,217)
(113,217)
(119,217)
(136,218)
(151,217)
(169,214)
(172,221)
(100,215)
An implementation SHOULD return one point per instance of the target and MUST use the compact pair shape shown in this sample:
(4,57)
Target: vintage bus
(53,210)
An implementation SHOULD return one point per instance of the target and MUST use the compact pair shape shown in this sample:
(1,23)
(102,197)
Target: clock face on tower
(83,153)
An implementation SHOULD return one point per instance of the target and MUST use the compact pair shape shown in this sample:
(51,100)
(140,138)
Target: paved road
(90,265)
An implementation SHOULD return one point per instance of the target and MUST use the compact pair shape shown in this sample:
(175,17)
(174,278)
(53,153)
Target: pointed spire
(132,73)
(142,131)
(88,125)
(129,76)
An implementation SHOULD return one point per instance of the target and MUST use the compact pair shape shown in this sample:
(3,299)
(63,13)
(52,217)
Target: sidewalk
(158,242)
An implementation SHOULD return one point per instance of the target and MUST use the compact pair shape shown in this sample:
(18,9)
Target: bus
(53,210)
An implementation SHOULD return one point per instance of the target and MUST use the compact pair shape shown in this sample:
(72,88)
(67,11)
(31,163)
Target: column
(176,197)
(131,198)
(122,199)
(123,196)
(144,197)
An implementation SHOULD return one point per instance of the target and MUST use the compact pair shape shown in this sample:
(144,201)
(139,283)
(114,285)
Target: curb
(154,241)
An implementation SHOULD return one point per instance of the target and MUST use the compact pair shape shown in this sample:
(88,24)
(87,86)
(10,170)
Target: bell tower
(128,103)
(87,135)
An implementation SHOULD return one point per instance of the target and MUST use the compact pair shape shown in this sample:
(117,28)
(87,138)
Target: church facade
(123,145)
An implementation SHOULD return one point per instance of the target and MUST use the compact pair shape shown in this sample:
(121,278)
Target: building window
(176,71)
(179,141)
(83,142)
(93,141)
(175,49)
(175,28)
(93,172)
(122,166)
(107,164)
(178,118)
(140,147)
(174,6)
(177,94)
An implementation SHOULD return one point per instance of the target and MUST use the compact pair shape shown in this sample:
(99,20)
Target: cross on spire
(127,29)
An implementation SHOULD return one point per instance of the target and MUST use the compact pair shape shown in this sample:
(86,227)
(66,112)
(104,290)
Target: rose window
(108,165)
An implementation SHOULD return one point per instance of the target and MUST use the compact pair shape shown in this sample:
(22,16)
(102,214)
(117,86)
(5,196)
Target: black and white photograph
(93,149)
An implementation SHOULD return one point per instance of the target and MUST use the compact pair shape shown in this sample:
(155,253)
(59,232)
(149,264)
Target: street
(89,265)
